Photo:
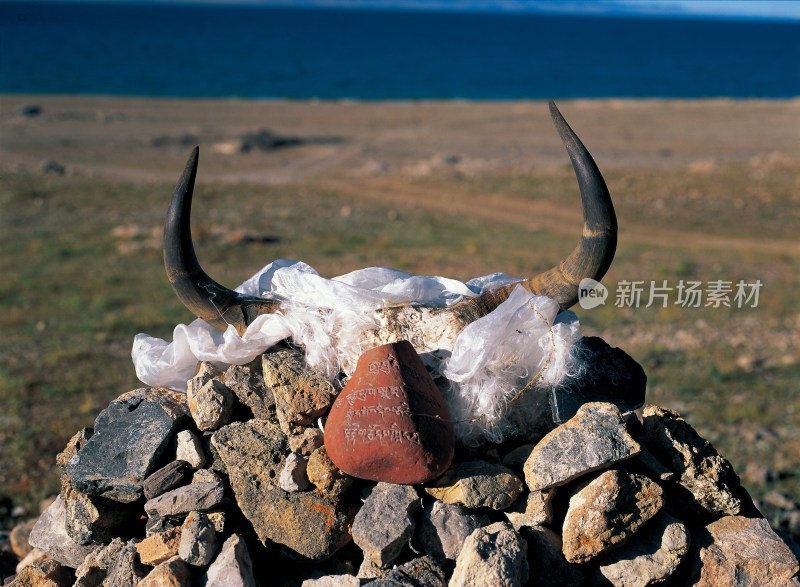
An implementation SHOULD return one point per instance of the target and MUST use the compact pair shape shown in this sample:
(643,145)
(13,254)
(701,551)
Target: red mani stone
(390,422)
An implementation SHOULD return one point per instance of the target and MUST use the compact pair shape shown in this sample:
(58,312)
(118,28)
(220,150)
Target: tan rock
(18,538)
(534,509)
(744,552)
(606,512)
(34,556)
(44,573)
(302,394)
(477,484)
(211,406)
(325,475)
(595,438)
(171,573)
(307,441)
(492,556)
(160,547)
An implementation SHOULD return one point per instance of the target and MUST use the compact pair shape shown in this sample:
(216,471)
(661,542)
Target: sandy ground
(118,137)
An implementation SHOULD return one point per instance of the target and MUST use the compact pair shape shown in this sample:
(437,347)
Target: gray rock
(326,476)
(744,552)
(385,523)
(595,438)
(129,437)
(492,556)
(211,405)
(166,478)
(546,562)
(293,476)
(254,454)
(444,527)
(198,540)
(180,501)
(190,449)
(477,484)
(420,572)
(649,557)
(533,509)
(247,383)
(125,570)
(232,567)
(50,535)
(302,394)
(369,570)
(709,478)
(607,511)
(156,524)
(94,568)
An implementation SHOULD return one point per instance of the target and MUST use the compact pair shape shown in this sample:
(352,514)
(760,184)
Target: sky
(738,9)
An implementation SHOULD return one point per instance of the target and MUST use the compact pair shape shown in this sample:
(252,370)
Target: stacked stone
(231,484)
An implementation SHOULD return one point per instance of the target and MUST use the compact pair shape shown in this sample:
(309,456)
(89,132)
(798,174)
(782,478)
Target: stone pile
(231,484)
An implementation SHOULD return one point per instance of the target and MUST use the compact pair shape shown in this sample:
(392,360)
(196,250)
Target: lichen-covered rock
(307,441)
(385,523)
(744,552)
(211,405)
(649,557)
(93,519)
(232,567)
(477,484)
(444,527)
(606,512)
(492,556)
(302,394)
(709,478)
(181,501)
(129,437)
(50,535)
(533,509)
(198,543)
(190,449)
(254,454)
(326,476)
(160,547)
(595,438)
(420,572)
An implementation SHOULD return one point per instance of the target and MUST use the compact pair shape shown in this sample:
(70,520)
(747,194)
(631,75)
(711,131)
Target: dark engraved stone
(166,478)
(390,422)
(608,375)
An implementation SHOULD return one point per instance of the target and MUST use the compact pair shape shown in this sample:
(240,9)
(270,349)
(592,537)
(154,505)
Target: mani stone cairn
(235,484)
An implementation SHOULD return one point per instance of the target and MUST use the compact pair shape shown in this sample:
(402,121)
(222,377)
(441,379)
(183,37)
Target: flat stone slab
(595,438)
(129,437)
(181,501)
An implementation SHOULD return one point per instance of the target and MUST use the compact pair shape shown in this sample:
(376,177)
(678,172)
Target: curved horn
(593,255)
(204,297)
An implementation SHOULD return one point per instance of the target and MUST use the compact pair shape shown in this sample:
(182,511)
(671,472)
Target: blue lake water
(257,52)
